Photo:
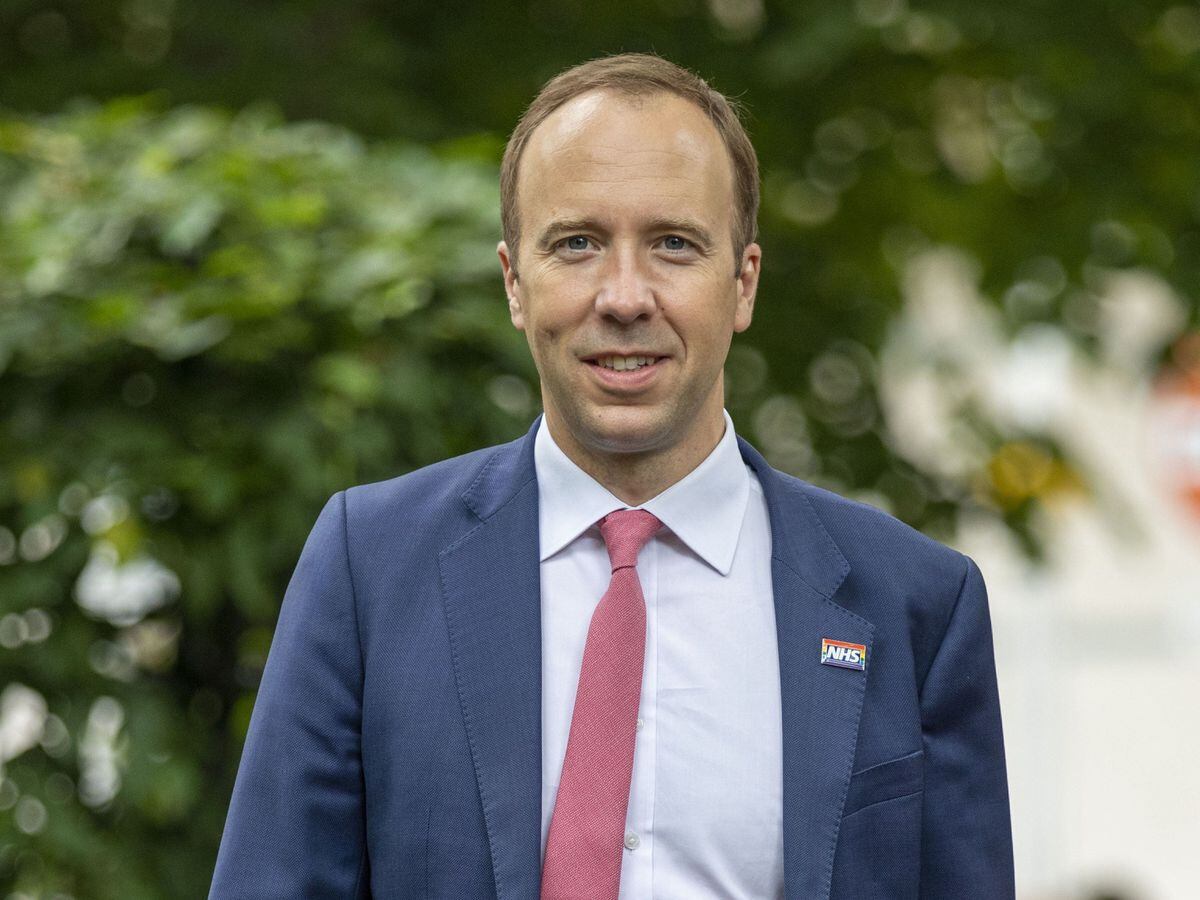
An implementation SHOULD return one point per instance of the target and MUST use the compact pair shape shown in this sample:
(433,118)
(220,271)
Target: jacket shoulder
(902,581)
(440,481)
(875,542)
(395,529)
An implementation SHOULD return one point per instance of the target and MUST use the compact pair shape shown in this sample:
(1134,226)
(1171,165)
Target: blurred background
(247,260)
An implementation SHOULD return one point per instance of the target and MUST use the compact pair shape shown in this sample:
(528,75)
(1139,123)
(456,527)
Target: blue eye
(577,242)
(675,242)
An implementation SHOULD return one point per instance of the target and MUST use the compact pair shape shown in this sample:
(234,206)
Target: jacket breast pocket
(887,781)
(879,839)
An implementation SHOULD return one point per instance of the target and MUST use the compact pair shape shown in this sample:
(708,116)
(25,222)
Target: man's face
(625,286)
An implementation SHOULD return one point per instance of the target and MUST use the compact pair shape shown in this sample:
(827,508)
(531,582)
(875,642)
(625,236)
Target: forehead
(657,154)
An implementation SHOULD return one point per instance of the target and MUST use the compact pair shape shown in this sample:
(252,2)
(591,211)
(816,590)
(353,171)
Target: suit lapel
(492,599)
(821,704)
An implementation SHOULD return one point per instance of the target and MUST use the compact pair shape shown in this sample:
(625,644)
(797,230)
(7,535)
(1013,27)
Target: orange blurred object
(1175,421)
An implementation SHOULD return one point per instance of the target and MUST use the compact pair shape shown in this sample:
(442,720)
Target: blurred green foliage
(208,324)
(210,321)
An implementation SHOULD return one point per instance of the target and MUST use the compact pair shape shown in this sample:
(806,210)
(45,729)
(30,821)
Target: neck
(635,477)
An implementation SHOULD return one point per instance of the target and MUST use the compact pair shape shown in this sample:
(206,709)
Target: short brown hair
(635,75)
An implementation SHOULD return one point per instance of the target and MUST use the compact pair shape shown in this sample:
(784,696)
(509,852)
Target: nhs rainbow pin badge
(843,655)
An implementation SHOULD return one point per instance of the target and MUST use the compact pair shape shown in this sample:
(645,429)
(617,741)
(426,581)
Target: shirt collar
(704,509)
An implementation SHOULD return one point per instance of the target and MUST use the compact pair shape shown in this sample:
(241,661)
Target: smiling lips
(632,371)
(624,363)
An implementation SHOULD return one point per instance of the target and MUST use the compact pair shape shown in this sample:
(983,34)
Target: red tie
(587,829)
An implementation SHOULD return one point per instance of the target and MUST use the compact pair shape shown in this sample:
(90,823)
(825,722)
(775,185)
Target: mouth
(623,374)
(623,362)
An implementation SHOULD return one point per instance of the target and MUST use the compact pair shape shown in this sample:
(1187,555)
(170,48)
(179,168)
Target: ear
(747,286)
(511,287)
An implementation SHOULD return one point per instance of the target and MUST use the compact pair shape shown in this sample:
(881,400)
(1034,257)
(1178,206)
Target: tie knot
(625,534)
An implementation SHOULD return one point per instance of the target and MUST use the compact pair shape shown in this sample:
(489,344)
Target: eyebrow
(689,227)
(684,226)
(561,226)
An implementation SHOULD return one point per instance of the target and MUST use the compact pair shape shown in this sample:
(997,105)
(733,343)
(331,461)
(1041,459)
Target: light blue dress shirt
(705,809)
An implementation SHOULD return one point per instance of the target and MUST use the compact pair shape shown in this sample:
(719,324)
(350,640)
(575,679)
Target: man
(622,656)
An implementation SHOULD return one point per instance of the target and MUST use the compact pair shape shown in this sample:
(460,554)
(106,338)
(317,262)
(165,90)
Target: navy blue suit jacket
(395,746)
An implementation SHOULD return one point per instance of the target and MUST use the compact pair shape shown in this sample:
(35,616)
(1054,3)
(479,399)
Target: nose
(625,293)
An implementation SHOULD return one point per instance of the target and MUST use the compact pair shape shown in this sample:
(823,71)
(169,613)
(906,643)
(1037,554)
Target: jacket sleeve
(296,824)
(966,831)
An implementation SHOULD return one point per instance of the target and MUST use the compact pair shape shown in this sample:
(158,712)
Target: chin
(629,430)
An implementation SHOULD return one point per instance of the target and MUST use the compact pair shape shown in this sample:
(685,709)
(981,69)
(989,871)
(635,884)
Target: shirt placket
(637,869)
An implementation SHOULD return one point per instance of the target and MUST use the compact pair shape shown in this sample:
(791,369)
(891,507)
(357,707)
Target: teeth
(625,363)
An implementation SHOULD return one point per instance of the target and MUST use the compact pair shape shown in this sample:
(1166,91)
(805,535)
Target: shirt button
(632,841)
(641,722)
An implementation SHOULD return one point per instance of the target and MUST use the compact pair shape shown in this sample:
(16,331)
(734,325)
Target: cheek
(546,340)
(704,322)
(554,313)
(544,336)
